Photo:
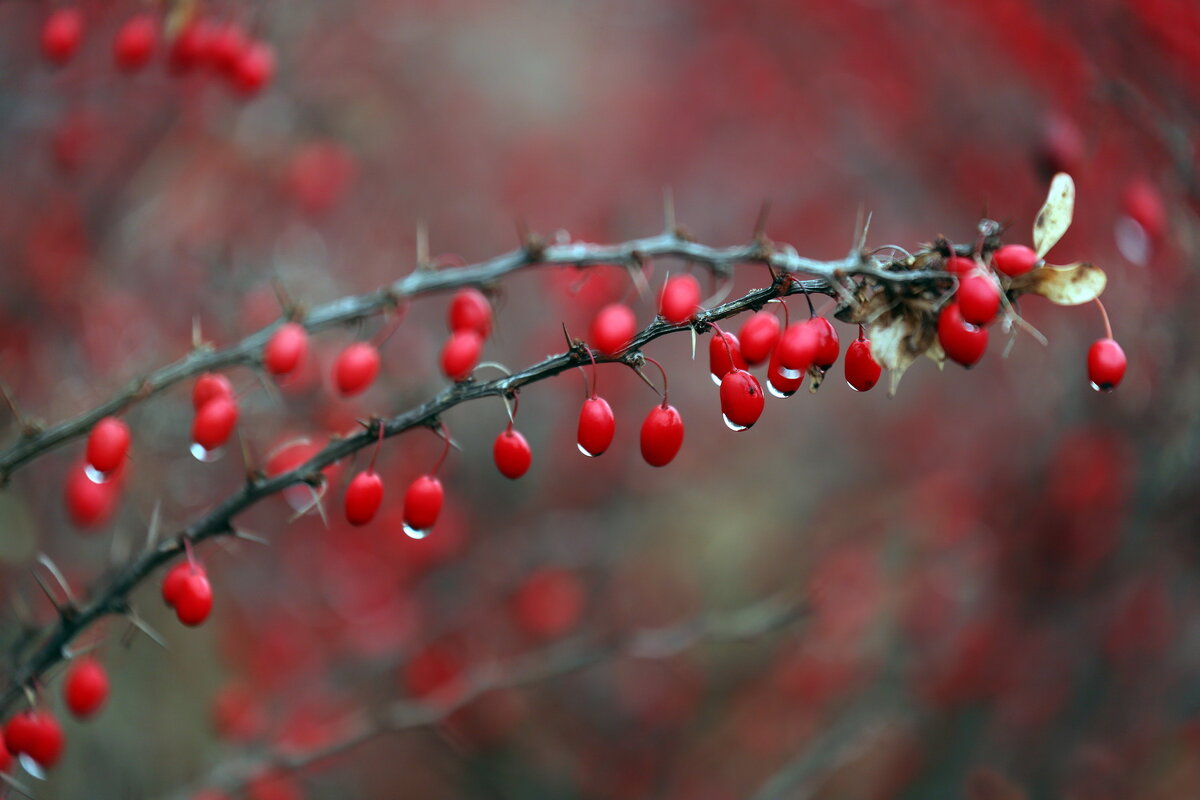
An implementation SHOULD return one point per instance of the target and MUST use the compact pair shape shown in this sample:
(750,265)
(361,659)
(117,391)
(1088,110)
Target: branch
(424,280)
(746,623)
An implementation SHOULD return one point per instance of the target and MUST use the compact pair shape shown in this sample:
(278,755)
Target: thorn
(567,336)
(423,262)
(694,337)
(669,226)
(197,340)
(508,407)
(251,537)
(150,633)
(49,564)
(522,232)
(12,406)
(760,223)
(638,276)
(316,503)
(283,298)
(642,375)
(49,595)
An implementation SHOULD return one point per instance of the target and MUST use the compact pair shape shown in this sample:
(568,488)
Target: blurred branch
(34,442)
(746,623)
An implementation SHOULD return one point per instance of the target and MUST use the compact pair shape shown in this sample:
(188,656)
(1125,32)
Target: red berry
(37,735)
(758,337)
(208,386)
(190,47)
(214,423)
(797,347)
(460,354)
(662,435)
(172,586)
(286,348)
(962,341)
(828,345)
(254,68)
(61,34)
(89,504)
(1144,205)
(107,444)
(225,47)
(724,354)
(135,42)
(596,426)
(86,687)
(356,368)
(1015,259)
(960,265)
(1106,364)
(5,756)
(613,328)
(680,299)
(978,297)
(511,453)
(422,504)
(470,311)
(434,669)
(741,399)
(363,497)
(549,602)
(194,600)
(779,383)
(862,371)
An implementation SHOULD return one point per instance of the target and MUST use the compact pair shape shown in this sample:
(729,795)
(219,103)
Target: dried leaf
(1055,217)
(892,346)
(1069,285)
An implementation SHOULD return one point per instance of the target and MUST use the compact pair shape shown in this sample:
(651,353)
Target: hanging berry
(254,68)
(680,299)
(422,505)
(86,687)
(511,453)
(363,497)
(862,370)
(470,311)
(758,337)
(285,349)
(613,328)
(978,297)
(135,42)
(35,734)
(741,399)
(461,353)
(208,386)
(724,354)
(596,426)
(963,342)
(89,503)
(214,423)
(61,34)
(356,368)
(108,444)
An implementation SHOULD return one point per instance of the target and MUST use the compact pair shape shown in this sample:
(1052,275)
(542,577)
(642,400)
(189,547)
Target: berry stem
(387,330)
(378,447)
(664,377)
(728,349)
(1104,316)
(444,432)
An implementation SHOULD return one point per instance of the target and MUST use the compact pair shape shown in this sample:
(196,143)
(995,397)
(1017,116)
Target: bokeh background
(999,565)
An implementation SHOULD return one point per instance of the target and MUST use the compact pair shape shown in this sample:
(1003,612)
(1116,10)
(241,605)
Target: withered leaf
(1068,285)
(896,341)
(1055,217)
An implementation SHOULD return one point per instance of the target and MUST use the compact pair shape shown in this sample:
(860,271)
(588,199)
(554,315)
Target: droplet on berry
(61,34)
(107,445)
(86,687)
(286,348)
(680,299)
(470,311)
(461,353)
(758,337)
(214,423)
(963,342)
(1106,364)
(828,345)
(422,505)
(135,42)
(724,354)
(782,382)
(511,453)
(613,327)
(89,503)
(35,735)
(363,497)
(862,370)
(662,435)
(741,399)
(356,368)
(596,426)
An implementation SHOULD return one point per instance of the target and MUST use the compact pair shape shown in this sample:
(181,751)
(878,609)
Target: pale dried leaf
(1069,285)
(1055,217)
(891,345)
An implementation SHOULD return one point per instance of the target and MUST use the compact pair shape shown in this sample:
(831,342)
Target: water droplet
(715,377)
(790,374)
(32,767)
(733,426)
(415,533)
(94,475)
(585,451)
(777,392)
(1100,388)
(205,456)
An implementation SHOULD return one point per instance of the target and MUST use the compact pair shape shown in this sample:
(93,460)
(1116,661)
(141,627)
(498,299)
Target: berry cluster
(224,49)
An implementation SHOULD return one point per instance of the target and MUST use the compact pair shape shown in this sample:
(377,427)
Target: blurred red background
(1000,564)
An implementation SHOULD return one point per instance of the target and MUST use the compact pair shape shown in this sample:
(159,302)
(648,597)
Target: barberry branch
(830,275)
(742,624)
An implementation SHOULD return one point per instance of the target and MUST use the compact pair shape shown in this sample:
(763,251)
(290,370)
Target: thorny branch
(558,660)
(48,647)
(425,279)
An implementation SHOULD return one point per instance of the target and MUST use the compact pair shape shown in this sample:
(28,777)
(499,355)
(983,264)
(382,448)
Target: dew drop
(1100,388)
(32,767)
(733,426)
(202,455)
(585,451)
(415,533)
(716,379)
(790,374)
(94,475)
(776,392)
